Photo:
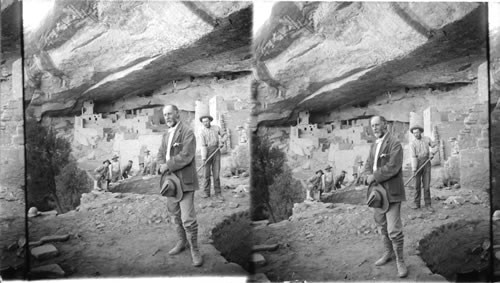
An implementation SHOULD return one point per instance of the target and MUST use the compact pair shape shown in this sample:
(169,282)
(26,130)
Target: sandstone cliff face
(110,50)
(325,55)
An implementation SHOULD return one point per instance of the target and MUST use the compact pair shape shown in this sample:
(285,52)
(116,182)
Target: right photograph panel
(370,144)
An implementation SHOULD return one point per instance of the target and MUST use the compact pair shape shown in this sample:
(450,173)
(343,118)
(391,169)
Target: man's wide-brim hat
(377,198)
(115,157)
(170,186)
(328,167)
(416,127)
(207,116)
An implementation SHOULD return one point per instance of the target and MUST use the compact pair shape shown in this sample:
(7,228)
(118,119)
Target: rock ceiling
(105,50)
(323,56)
(319,56)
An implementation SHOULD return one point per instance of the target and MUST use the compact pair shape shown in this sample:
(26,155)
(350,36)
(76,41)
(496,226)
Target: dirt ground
(128,233)
(331,242)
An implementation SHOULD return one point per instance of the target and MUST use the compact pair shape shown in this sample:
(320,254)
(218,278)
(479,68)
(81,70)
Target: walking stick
(428,160)
(211,155)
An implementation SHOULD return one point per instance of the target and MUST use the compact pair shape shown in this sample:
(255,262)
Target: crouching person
(315,186)
(102,176)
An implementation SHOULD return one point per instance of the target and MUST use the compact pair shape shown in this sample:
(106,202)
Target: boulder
(496,215)
(44,252)
(258,259)
(455,200)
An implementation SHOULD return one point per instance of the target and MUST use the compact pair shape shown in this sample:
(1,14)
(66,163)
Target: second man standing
(212,139)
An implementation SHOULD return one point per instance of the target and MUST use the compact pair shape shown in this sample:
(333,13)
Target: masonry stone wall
(12,125)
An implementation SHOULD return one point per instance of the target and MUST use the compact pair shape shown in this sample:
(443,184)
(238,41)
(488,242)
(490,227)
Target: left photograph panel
(137,155)
(13,238)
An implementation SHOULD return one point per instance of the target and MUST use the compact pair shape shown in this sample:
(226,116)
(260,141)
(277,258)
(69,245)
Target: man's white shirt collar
(380,139)
(171,132)
(377,151)
(172,129)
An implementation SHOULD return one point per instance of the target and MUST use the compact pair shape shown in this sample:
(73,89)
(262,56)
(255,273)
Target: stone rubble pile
(42,250)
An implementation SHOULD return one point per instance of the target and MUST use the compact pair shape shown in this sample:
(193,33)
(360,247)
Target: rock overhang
(111,50)
(323,57)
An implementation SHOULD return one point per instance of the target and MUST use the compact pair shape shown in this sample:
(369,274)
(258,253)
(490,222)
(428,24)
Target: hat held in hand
(377,198)
(171,187)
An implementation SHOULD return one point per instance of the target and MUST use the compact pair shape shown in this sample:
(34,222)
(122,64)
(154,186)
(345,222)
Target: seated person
(126,172)
(339,180)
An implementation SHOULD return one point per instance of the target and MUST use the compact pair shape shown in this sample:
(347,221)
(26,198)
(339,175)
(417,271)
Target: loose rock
(242,189)
(44,252)
(258,259)
(260,248)
(54,238)
(49,213)
(496,215)
(455,200)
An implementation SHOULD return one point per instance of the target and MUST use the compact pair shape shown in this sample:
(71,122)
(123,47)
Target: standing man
(420,153)
(209,136)
(328,178)
(116,172)
(177,156)
(148,162)
(384,166)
